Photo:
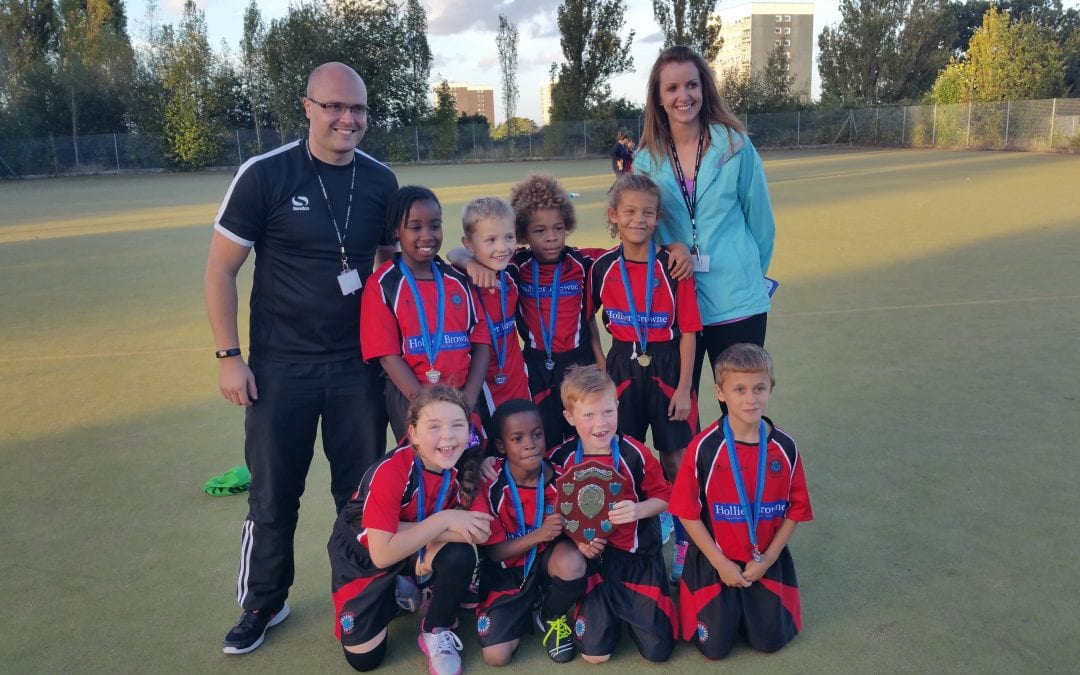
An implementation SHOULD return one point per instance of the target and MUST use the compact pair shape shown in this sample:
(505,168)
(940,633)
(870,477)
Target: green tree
(740,88)
(776,83)
(507,43)
(146,107)
(30,94)
(95,65)
(515,126)
(384,42)
(1071,57)
(253,73)
(1005,60)
(191,130)
(690,23)
(884,52)
(444,123)
(594,52)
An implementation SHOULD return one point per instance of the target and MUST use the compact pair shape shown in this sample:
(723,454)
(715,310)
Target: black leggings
(715,339)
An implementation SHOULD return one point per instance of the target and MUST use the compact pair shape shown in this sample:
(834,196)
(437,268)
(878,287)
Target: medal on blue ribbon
(752,517)
(432,344)
(547,330)
(421,502)
(538,518)
(579,454)
(499,345)
(636,319)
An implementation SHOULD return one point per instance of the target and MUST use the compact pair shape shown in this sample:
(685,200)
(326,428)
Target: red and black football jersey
(517,380)
(387,495)
(495,498)
(674,308)
(571,320)
(391,322)
(705,488)
(646,478)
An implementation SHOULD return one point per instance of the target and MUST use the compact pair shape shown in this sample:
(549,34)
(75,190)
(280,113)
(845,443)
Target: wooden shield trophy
(587,491)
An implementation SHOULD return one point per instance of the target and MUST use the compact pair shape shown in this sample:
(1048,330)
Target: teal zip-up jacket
(735,223)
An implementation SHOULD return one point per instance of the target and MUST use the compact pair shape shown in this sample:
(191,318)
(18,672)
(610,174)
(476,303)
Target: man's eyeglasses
(338,108)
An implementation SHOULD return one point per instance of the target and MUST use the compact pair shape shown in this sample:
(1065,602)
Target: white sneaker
(441,646)
(406,593)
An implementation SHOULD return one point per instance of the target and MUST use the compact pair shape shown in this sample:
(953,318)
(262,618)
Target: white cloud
(449,17)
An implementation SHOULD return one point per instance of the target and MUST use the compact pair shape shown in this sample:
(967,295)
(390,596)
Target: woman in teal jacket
(714,196)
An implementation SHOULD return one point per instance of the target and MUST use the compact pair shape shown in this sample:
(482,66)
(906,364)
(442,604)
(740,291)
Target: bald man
(313,211)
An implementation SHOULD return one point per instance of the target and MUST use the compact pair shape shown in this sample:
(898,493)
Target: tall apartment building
(752,30)
(545,104)
(471,99)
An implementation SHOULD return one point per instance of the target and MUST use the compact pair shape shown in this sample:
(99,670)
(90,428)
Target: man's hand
(236,381)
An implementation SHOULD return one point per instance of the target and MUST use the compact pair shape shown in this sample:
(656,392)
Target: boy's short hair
(743,357)
(538,192)
(485,208)
(581,382)
(631,182)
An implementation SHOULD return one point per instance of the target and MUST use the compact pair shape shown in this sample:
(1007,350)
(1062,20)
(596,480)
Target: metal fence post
(903,128)
(585,132)
(530,144)
(416,140)
(798,128)
(1008,111)
(967,139)
(933,133)
(116,153)
(239,153)
(1053,113)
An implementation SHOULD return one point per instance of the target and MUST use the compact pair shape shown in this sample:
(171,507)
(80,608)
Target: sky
(462,38)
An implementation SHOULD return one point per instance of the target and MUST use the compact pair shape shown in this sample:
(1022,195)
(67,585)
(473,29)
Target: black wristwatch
(226,353)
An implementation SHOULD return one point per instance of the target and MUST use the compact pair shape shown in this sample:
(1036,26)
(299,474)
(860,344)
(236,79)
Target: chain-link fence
(1048,125)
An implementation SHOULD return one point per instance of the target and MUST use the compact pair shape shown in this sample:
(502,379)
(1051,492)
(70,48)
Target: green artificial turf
(925,335)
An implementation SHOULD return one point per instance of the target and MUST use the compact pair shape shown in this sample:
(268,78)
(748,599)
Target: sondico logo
(300,203)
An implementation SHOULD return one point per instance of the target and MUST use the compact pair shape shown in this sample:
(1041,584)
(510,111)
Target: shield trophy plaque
(587,491)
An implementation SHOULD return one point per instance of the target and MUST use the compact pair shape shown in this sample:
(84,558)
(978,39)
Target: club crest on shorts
(483,625)
(579,627)
(702,632)
(348,622)
(774,466)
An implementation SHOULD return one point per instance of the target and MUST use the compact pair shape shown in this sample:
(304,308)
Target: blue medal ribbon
(579,454)
(421,500)
(523,528)
(547,331)
(753,517)
(635,318)
(431,346)
(499,345)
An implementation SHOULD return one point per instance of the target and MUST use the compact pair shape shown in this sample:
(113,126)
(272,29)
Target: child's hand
(731,575)
(624,512)
(473,526)
(593,549)
(756,570)
(550,528)
(680,263)
(488,470)
(483,277)
(679,408)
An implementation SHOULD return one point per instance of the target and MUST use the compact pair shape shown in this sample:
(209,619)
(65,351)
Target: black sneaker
(249,631)
(557,639)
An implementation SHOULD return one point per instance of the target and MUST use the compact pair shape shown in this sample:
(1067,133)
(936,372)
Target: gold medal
(644,360)
(433,376)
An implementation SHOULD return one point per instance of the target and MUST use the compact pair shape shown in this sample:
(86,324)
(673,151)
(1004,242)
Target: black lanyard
(342,232)
(690,198)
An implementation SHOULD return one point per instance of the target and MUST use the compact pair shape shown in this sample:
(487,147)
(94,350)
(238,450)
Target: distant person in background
(622,155)
(313,211)
(716,200)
